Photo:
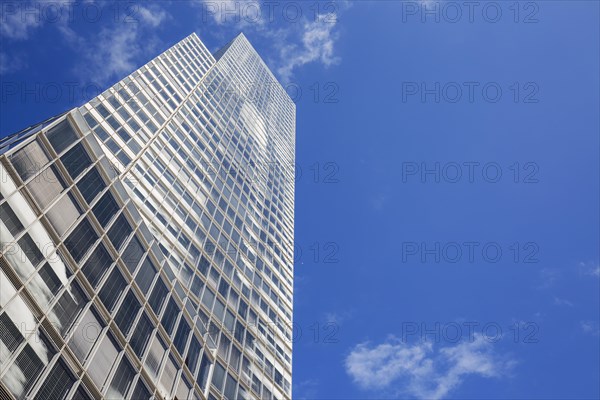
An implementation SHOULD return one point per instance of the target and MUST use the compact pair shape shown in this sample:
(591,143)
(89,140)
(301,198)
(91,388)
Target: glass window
(29,160)
(141,334)
(50,278)
(193,354)
(46,187)
(61,136)
(145,275)
(119,232)
(68,307)
(121,381)
(91,184)
(170,316)
(224,347)
(81,393)
(30,249)
(168,378)
(9,336)
(133,254)
(230,388)
(97,264)
(81,240)
(234,358)
(64,213)
(103,360)
(218,376)
(155,356)
(76,160)
(112,289)
(157,298)
(105,209)
(57,383)
(181,336)
(140,392)
(10,220)
(85,334)
(127,312)
(23,372)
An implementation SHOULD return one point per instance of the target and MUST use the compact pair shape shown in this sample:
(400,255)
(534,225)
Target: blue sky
(448,177)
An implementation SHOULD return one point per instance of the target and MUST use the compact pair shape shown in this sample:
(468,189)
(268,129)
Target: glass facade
(147,237)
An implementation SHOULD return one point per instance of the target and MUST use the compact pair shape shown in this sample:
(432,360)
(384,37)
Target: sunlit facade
(147,237)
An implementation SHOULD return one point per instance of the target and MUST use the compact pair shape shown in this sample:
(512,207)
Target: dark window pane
(119,232)
(76,160)
(81,240)
(28,366)
(230,388)
(170,316)
(203,265)
(193,354)
(9,335)
(218,376)
(61,136)
(122,380)
(68,306)
(159,293)
(133,254)
(145,275)
(105,209)
(57,384)
(140,392)
(30,249)
(112,289)
(90,185)
(203,372)
(127,312)
(50,278)
(11,221)
(97,264)
(181,336)
(81,393)
(141,334)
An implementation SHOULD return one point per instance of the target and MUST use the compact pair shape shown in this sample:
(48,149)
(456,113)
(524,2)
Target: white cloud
(562,302)
(548,277)
(19,19)
(297,35)
(306,389)
(152,15)
(115,50)
(317,44)
(590,327)
(590,269)
(419,370)
(10,63)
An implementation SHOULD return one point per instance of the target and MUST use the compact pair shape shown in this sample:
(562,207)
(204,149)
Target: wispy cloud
(317,45)
(152,15)
(548,278)
(10,63)
(19,19)
(590,327)
(115,50)
(337,317)
(562,302)
(296,38)
(590,268)
(306,389)
(421,370)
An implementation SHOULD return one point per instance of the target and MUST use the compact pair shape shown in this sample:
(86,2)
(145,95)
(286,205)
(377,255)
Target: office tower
(147,237)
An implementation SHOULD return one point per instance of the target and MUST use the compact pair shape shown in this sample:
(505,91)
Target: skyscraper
(147,237)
